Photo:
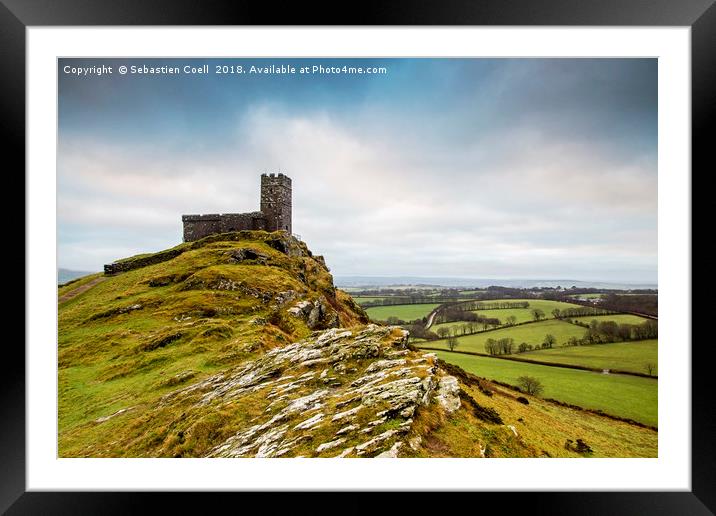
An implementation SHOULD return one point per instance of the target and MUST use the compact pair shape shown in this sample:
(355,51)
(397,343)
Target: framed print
(436,238)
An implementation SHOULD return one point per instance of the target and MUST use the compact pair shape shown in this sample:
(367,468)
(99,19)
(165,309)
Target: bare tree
(537,314)
(530,385)
(511,320)
(650,368)
(452,343)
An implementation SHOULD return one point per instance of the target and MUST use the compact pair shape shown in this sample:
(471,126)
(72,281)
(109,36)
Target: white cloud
(513,204)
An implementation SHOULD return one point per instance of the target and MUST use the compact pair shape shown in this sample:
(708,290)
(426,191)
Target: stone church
(274,214)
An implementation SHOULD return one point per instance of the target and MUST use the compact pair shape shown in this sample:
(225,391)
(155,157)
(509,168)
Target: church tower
(276,201)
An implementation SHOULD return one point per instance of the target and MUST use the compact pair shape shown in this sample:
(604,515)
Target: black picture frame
(17,15)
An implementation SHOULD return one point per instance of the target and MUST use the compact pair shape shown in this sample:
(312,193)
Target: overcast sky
(487,168)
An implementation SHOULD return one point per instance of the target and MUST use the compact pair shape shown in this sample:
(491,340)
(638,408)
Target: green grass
(522,314)
(617,318)
(587,296)
(193,316)
(525,314)
(622,356)
(361,300)
(403,312)
(532,333)
(546,305)
(619,395)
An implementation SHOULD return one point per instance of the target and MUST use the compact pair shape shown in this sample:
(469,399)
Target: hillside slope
(239,345)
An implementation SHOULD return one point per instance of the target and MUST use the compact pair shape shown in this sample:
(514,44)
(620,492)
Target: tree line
(603,332)
(407,300)
(619,303)
(582,311)
(482,305)
(506,345)
(453,314)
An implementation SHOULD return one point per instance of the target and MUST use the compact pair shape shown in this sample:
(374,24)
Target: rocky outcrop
(245,254)
(316,314)
(338,393)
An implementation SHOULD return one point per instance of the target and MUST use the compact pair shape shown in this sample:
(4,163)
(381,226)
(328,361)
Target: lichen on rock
(368,411)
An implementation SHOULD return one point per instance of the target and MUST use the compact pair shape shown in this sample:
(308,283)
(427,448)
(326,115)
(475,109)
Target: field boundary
(549,364)
(505,326)
(473,379)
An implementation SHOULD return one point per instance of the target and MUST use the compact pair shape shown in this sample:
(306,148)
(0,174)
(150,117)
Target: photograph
(358,257)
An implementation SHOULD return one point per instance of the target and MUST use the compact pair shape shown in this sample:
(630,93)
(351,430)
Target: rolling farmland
(619,395)
(403,312)
(532,333)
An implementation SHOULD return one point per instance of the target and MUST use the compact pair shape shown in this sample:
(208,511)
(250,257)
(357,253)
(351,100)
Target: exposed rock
(384,364)
(317,314)
(371,445)
(387,389)
(330,445)
(392,453)
(449,393)
(245,254)
(408,411)
(405,425)
(414,442)
(347,429)
(107,418)
(285,297)
(346,414)
(345,452)
(309,423)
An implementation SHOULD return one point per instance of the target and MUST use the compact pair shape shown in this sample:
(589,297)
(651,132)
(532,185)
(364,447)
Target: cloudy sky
(482,168)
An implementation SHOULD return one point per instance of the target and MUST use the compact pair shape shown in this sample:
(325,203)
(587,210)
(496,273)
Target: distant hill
(65,275)
(391,281)
(239,345)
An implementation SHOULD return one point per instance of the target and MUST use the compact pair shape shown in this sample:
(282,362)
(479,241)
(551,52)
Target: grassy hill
(239,345)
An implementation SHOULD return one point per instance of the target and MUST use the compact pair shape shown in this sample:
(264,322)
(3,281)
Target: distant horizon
(462,167)
(455,281)
(349,280)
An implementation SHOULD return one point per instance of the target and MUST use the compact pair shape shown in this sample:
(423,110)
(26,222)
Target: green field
(522,314)
(403,312)
(361,300)
(455,324)
(618,318)
(620,395)
(587,296)
(546,305)
(622,356)
(532,333)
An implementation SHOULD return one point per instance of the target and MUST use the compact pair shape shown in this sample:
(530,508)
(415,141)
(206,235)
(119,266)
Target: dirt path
(83,288)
